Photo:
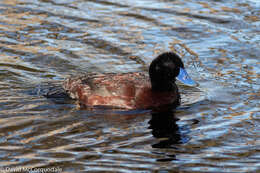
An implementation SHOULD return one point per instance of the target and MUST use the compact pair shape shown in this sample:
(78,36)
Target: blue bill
(185,78)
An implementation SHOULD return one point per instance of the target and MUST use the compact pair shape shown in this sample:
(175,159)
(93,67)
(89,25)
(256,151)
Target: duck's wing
(108,84)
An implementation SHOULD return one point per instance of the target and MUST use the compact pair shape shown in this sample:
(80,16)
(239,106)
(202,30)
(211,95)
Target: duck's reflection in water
(164,127)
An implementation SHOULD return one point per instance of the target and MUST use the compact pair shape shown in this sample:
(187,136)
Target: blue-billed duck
(135,90)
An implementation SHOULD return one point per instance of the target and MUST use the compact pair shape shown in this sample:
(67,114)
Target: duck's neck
(163,86)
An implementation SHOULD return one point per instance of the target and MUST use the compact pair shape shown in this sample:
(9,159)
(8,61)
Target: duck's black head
(164,69)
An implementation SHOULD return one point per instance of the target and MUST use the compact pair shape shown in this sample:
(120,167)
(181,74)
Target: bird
(134,90)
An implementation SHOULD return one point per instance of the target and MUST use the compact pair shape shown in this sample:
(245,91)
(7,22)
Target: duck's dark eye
(157,68)
(170,65)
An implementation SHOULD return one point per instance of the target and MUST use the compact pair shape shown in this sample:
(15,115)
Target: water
(215,130)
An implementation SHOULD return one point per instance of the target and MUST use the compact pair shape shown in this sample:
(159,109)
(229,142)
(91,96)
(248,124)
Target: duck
(134,90)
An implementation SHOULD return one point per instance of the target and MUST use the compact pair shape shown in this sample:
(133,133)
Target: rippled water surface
(215,130)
